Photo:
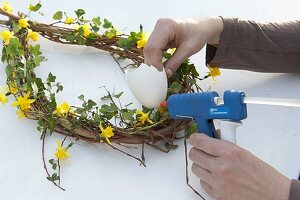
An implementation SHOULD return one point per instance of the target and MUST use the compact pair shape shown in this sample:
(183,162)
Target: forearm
(294,190)
(272,47)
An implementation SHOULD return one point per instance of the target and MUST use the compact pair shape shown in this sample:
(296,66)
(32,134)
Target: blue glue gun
(204,108)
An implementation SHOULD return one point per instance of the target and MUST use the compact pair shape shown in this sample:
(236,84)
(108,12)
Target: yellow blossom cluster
(62,109)
(24,104)
(60,151)
(106,133)
(214,72)
(85,28)
(3,97)
(69,20)
(143,41)
(7,7)
(143,117)
(7,35)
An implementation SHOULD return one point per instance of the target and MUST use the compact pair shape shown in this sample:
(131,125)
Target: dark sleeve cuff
(210,53)
(294,190)
(247,45)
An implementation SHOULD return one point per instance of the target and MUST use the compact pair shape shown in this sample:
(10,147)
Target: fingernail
(169,73)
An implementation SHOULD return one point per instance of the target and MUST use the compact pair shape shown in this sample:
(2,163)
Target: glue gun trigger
(226,129)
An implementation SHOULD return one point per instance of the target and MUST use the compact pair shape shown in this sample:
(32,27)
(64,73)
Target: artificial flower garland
(111,123)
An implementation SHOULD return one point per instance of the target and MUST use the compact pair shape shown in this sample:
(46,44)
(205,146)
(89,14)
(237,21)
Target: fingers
(206,187)
(201,173)
(202,159)
(172,64)
(159,40)
(212,146)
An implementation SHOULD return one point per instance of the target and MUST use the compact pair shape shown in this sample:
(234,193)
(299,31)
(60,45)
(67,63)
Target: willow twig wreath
(111,123)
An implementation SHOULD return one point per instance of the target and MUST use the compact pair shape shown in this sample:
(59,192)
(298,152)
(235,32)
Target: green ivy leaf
(90,104)
(125,43)
(190,80)
(70,37)
(118,95)
(14,47)
(52,125)
(175,87)
(79,12)
(95,28)
(39,59)
(35,50)
(128,114)
(106,97)
(109,111)
(58,15)
(166,55)
(51,78)
(15,27)
(9,70)
(54,166)
(35,7)
(50,179)
(191,128)
(96,21)
(59,88)
(134,37)
(81,97)
(107,24)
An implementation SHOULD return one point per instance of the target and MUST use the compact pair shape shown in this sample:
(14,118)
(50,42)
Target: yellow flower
(23,102)
(106,133)
(12,88)
(20,114)
(86,30)
(32,35)
(23,23)
(172,51)
(143,41)
(69,20)
(6,36)
(6,7)
(61,152)
(62,109)
(76,27)
(144,117)
(3,98)
(214,72)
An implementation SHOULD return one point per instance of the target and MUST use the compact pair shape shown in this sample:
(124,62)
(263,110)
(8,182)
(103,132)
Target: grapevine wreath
(112,123)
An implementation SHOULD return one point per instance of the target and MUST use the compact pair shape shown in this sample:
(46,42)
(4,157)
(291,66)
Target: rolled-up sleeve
(294,190)
(262,47)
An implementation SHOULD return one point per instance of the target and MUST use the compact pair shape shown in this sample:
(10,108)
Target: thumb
(175,61)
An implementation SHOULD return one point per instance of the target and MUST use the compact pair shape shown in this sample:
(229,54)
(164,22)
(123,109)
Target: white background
(96,171)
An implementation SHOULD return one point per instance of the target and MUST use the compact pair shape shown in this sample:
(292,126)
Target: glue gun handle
(206,126)
(228,130)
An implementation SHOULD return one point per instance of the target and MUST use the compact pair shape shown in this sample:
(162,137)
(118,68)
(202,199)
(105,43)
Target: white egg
(148,85)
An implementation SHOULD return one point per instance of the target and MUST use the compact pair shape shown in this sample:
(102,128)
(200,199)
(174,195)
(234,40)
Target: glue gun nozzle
(163,104)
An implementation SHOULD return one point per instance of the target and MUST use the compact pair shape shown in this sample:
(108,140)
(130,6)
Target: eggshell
(148,85)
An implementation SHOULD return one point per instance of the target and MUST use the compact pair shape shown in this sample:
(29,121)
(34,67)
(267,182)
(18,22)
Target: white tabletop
(96,171)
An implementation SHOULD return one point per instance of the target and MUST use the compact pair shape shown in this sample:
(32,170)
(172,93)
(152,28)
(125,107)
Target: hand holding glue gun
(225,170)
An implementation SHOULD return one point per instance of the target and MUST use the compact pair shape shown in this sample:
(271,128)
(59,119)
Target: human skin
(187,35)
(225,170)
